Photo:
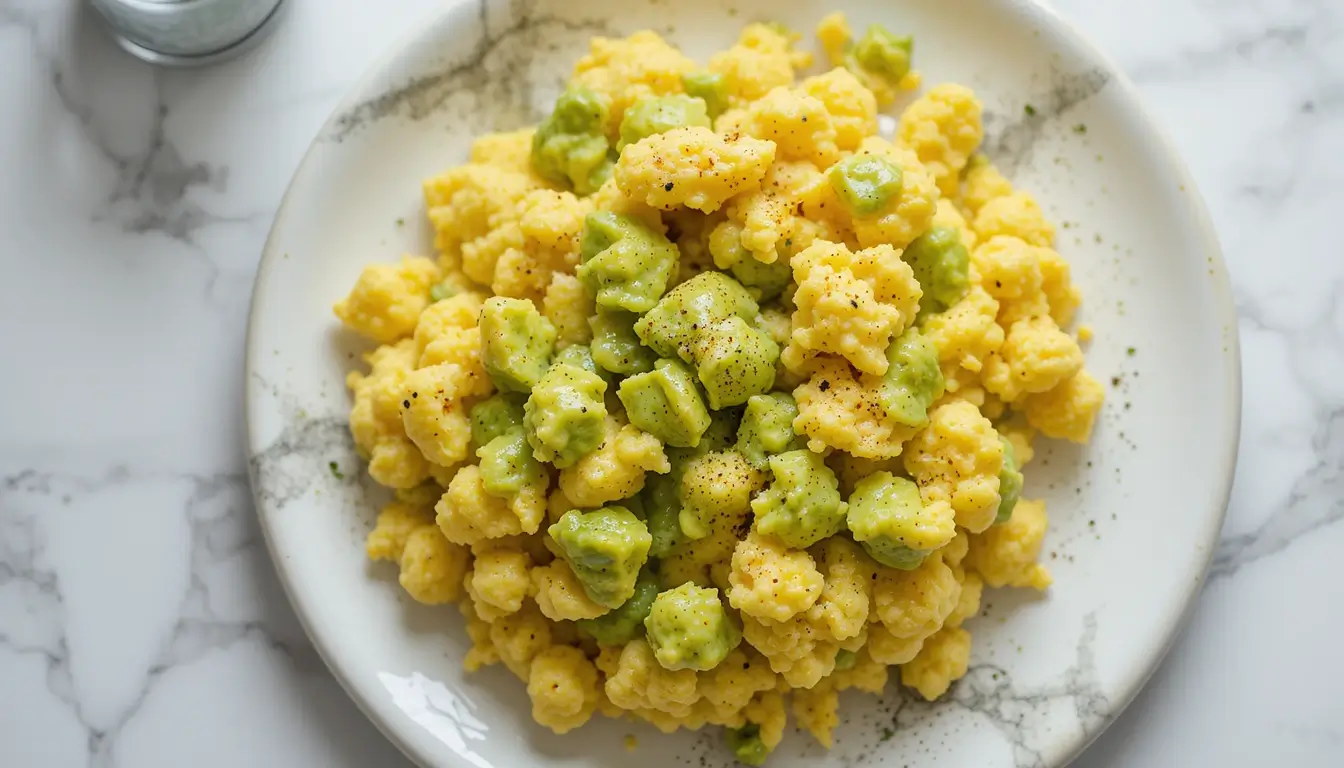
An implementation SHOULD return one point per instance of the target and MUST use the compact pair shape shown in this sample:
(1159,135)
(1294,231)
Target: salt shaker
(188,32)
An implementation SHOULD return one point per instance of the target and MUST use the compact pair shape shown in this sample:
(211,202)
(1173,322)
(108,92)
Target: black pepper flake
(668,186)
(824,386)
(405,403)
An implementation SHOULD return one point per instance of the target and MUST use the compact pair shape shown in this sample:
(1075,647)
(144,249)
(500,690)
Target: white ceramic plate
(1133,517)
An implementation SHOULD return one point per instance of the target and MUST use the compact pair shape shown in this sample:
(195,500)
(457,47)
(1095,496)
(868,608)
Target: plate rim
(1222,294)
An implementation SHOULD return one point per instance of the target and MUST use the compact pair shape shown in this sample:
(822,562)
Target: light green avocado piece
(620,625)
(670,327)
(913,379)
(884,54)
(746,745)
(941,265)
(665,403)
(625,265)
(845,659)
(495,416)
(883,511)
(688,628)
(714,488)
(606,549)
(661,496)
(764,281)
(767,428)
(802,504)
(615,346)
(865,183)
(564,415)
(733,361)
(723,427)
(660,114)
(516,343)
(580,356)
(710,88)
(507,464)
(570,147)
(441,291)
(1010,483)
(661,509)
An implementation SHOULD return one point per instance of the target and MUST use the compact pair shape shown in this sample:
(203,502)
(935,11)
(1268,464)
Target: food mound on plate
(713,399)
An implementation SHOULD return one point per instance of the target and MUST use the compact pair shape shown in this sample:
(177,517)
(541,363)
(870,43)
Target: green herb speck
(401,222)
(1130,351)
(1080,129)
(335,470)
(1030,110)
(887,733)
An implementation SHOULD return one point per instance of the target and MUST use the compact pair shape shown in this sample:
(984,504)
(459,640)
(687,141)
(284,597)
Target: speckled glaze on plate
(1133,516)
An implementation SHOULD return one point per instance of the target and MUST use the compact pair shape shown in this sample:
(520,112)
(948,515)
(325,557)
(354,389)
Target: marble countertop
(141,623)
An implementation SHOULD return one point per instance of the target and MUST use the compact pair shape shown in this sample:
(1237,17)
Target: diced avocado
(670,327)
(688,628)
(913,379)
(440,291)
(516,343)
(570,147)
(715,488)
(885,512)
(941,265)
(661,509)
(662,493)
(723,427)
(865,183)
(764,281)
(767,428)
(746,745)
(507,464)
(845,659)
(615,346)
(495,416)
(733,361)
(802,504)
(625,265)
(1010,483)
(710,88)
(564,415)
(580,356)
(884,54)
(665,403)
(660,114)
(606,549)
(620,625)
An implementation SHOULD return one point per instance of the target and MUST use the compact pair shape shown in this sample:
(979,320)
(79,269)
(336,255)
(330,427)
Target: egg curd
(713,403)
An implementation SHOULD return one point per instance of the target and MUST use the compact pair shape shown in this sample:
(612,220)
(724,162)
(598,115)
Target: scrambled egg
(880,326)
